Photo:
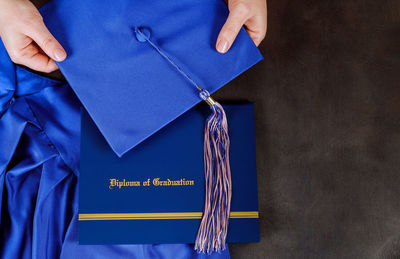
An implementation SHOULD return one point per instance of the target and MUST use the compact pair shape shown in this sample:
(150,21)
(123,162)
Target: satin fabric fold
(39,172)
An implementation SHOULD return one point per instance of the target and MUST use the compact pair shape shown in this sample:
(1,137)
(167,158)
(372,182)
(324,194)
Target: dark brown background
(327,103)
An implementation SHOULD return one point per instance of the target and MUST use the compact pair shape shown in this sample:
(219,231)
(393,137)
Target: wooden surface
(327,101)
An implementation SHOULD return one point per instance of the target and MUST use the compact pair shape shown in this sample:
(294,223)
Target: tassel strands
(211,236)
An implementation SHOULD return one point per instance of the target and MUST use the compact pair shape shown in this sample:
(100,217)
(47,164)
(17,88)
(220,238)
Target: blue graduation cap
(138,65)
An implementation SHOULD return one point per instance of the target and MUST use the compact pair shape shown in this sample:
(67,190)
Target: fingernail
(222,46)
(60,54)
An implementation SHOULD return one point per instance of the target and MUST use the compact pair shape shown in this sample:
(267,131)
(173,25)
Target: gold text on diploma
(113,182)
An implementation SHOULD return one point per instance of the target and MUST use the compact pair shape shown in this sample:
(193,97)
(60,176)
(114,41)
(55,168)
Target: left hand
(26,37)
(252,14)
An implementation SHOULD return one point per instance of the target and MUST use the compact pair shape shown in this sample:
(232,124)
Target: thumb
(238,14)
(46,41)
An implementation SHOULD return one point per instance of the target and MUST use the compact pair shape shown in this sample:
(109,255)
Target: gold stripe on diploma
(163,215)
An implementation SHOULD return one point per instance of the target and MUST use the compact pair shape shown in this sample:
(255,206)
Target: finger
(32,57)
(256,27)
(237,16)
(46,41)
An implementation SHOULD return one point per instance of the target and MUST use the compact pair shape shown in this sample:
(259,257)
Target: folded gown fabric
(39,172)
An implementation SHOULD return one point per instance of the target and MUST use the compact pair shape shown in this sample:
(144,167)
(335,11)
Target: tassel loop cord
(203,92)
(213,229)
(205,95)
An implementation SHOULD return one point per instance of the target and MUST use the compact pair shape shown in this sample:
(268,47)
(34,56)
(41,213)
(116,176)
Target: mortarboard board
(138,65)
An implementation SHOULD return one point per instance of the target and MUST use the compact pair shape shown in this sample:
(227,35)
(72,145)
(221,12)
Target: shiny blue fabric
(39,158)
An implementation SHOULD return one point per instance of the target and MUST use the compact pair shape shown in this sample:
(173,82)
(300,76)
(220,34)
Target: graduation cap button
(139,34)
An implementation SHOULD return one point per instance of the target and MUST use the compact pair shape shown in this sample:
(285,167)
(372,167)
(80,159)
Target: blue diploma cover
(155,192)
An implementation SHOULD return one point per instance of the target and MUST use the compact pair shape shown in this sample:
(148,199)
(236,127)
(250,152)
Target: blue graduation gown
(39,173)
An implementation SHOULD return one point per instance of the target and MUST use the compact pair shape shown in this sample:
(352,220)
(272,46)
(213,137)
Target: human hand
(252,14)
(26,37)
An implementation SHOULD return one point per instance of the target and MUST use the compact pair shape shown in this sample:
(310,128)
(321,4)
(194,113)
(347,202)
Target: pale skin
(29,42)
